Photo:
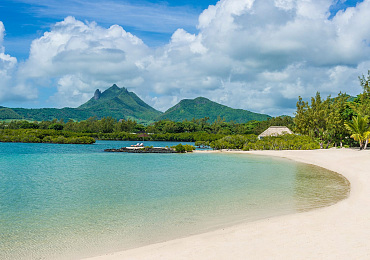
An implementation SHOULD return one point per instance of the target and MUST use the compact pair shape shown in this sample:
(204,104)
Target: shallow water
(72,201)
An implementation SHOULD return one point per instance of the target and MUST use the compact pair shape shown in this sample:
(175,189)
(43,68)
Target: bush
(80,140)
(283,142)
(189,148)
(47,139)
(30,139)
(179,148)
(56,126)
(202,144)
(43,136)
(233,142)
(59,140)
(146,148)
(250,142)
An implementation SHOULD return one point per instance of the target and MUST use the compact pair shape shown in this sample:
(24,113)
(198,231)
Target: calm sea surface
(72,201)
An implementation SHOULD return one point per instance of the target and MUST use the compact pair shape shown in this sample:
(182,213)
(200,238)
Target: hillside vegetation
(202,107)
(119,103)
(114,102)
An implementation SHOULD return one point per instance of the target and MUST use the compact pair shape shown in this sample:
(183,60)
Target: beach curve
(339,231)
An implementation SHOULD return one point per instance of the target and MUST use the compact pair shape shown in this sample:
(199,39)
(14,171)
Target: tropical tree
(361,104)
(336,117)
(312,120)
(106,124)
(359,129)
(323,119)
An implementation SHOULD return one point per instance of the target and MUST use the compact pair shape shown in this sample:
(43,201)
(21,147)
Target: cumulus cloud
(9,88)
(82,56)
(252,54)
(2,30)
(262,54)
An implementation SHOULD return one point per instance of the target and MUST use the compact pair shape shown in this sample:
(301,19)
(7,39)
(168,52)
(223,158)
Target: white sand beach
(341,231)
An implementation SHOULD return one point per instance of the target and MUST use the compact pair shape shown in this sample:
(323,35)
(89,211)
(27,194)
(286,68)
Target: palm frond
(359,128)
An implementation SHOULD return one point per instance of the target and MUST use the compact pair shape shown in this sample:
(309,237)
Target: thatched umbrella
(143,135)
(275,131)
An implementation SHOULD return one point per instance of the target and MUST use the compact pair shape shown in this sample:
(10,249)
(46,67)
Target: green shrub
(283,142)
(59,140)
(44,136)
(56,126)
(30,139)
(47,139)
(233,141)
(202,143)
(189,148)
(80,140)
(183,148)
(179,148)
(146,148)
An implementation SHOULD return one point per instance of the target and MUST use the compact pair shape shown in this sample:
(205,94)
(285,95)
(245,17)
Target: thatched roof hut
(275,131)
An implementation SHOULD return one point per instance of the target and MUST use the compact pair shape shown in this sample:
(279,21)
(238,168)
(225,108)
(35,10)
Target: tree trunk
(367,141)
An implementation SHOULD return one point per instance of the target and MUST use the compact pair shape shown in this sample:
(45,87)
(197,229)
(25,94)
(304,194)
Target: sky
(258,55)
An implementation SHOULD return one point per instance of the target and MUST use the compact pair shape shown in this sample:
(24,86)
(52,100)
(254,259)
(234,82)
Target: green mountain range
(119,103)
(202,107)
(115,102)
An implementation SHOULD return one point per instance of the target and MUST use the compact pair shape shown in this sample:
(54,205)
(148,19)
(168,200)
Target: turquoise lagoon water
(73,201)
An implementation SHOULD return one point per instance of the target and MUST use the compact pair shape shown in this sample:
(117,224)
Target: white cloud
(9,87)
(81,57)
(258,55)
(183,39)
(7,65)
(285,4)
(263,54)
(73,46)
(2,30)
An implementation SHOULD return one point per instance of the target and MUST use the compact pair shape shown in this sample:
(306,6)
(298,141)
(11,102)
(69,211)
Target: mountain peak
(201,100)
(97,94)
(114,87)
(119,103)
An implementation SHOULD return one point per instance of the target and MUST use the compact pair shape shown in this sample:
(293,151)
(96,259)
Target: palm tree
(359,129)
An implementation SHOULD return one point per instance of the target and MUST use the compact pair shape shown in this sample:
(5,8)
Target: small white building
(275,131)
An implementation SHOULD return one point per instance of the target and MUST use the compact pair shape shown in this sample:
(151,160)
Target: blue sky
(153,21)
(241,53)
(342,5)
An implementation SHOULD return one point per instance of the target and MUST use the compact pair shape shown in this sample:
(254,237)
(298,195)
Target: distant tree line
(320,123)
(164,130)
(43,136)
(251,142)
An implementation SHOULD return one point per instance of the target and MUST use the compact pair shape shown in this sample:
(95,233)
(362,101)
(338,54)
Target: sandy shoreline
(340,231)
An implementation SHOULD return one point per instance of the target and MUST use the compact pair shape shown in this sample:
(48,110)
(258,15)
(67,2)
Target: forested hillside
(202,107)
